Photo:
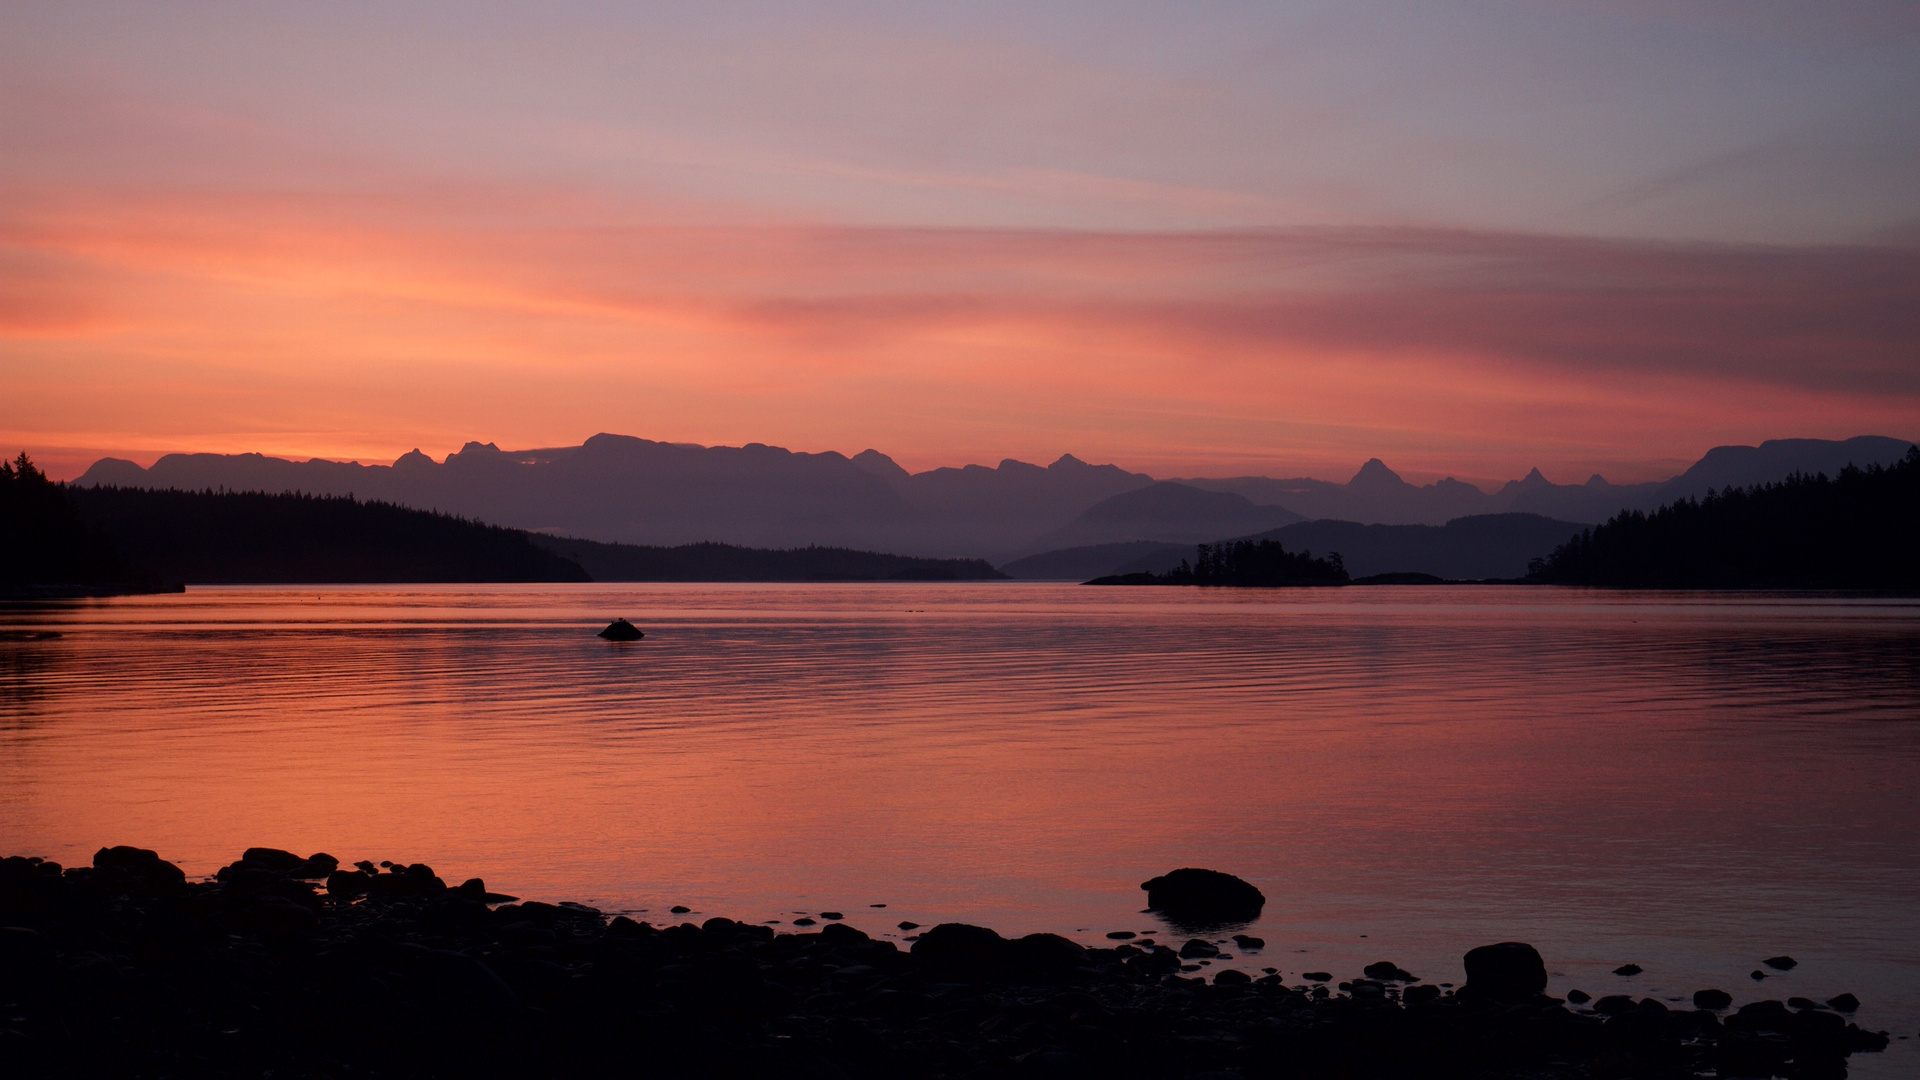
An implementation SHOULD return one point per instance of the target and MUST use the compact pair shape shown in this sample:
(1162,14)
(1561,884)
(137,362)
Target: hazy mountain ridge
(1378,496)
(620,488)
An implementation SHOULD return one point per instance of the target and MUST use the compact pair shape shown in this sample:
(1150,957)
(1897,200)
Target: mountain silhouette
(1167,512)
(616,488)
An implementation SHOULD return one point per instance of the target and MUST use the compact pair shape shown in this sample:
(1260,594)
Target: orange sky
(237,257)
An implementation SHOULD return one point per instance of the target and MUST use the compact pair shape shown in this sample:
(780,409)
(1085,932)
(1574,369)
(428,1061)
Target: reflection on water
(1687,782)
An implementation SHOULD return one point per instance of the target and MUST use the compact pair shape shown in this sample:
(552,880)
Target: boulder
(1504,972)
(621,630)
(1713,1000)
(144,864)
(1045,955)
(961,951)
(1200,897)
(1388,971)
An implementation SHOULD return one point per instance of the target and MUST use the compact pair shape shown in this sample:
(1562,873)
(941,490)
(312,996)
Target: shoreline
(307,968)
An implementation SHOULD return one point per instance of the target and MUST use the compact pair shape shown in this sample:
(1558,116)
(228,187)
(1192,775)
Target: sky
(1469,238)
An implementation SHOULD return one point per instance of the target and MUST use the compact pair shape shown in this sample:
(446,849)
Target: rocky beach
(290,966)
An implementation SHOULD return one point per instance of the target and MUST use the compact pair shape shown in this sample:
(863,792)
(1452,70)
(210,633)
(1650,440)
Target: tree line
(1857,530)
(44,541)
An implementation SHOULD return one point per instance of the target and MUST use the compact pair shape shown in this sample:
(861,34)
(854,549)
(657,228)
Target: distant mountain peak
(479,448)
(878,464)
(1375,474)
(1067,461)
(412,459)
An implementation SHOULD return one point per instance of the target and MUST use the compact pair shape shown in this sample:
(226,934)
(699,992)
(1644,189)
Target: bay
(1689,782)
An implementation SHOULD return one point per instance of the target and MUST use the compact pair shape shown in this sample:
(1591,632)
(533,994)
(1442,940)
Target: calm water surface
(1687,782)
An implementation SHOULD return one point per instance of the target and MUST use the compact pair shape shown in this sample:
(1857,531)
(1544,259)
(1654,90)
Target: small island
(1262,564)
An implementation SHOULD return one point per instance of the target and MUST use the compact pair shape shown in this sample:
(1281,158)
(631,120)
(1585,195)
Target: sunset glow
(1124,248)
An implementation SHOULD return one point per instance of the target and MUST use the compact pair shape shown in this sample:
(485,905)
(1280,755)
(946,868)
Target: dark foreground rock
(127,969)
(1194,897)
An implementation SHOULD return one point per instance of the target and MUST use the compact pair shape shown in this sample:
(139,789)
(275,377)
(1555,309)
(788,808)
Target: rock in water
(1504,972)
(1712,1000)
(621,630)
(1202,897)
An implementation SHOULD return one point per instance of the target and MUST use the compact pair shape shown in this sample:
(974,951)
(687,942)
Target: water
(1689,782)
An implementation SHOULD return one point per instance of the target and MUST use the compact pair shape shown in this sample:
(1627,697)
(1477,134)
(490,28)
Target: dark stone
(842,934)
(1507,971)
(1230,977)
(679,909)
(1628,969)
(1388,971)
(1802,1004)
(1122,935)
(1615,1005)
(272,858)
(909,926)
(1781,963)
(804,921)
(1045,955)
(1249,942)
(1197,949)
(1418,995)
(1579,997)
(1756,975)
(1191,896)
(1761,1016)
(1845,1003)
(961,951)
(141,863)
(1714,1000)
(831,915)
(347,884)
(621,630)
(1317,976)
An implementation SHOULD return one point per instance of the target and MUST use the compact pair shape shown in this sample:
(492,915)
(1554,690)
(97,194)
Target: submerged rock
(621,630)
(1193,896)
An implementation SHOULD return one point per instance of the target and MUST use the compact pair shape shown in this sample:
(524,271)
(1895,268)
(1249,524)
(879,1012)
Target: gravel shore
(290,966)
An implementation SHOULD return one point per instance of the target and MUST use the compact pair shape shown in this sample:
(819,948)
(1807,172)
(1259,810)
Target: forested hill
(45,544)
(234,538)
(725,562)
(1857,530)
(206,537)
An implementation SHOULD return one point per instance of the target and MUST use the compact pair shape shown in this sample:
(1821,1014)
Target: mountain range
(616,488)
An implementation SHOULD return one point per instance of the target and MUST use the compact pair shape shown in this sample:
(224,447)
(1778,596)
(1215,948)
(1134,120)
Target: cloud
(447,310)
